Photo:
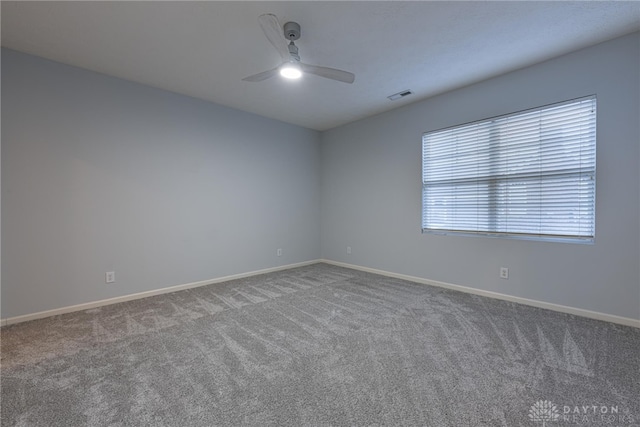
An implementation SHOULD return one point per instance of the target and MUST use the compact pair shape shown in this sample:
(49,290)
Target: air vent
(399,95)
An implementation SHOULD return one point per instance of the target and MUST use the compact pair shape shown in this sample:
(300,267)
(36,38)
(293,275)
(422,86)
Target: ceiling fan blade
(262,76)
(329,73)
(274,32)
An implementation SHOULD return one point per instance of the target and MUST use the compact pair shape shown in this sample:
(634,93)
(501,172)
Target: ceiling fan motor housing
(292,31)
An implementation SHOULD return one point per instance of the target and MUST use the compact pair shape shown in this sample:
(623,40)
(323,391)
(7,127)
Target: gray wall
(101,174)
(371,181)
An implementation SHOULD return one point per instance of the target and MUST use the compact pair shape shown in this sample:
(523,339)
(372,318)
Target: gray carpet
(319,345)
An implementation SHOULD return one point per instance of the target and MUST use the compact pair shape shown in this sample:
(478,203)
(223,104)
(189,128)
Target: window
(529,174)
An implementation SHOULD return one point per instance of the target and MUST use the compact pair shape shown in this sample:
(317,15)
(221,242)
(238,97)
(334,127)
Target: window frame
(580,174)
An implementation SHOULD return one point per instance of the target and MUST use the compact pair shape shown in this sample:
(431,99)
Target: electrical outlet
(109,277)
(279,252)
(504,273)
(348,249)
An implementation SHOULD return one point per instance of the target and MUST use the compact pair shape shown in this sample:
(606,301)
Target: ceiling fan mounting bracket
(291,31)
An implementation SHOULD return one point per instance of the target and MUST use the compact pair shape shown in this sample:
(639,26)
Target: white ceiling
(204,49)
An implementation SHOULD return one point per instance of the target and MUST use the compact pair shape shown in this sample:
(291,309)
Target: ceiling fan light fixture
(291,70)
(291,67)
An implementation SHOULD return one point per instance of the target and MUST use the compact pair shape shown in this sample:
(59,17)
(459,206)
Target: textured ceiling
(204,49)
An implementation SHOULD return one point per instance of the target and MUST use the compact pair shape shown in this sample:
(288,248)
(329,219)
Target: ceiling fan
(291,66)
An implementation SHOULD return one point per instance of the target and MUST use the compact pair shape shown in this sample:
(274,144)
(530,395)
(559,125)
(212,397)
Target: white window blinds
(527,174)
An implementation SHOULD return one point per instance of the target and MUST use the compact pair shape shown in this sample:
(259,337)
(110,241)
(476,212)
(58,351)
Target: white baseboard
(541,304)
(94,304)
(535,303)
